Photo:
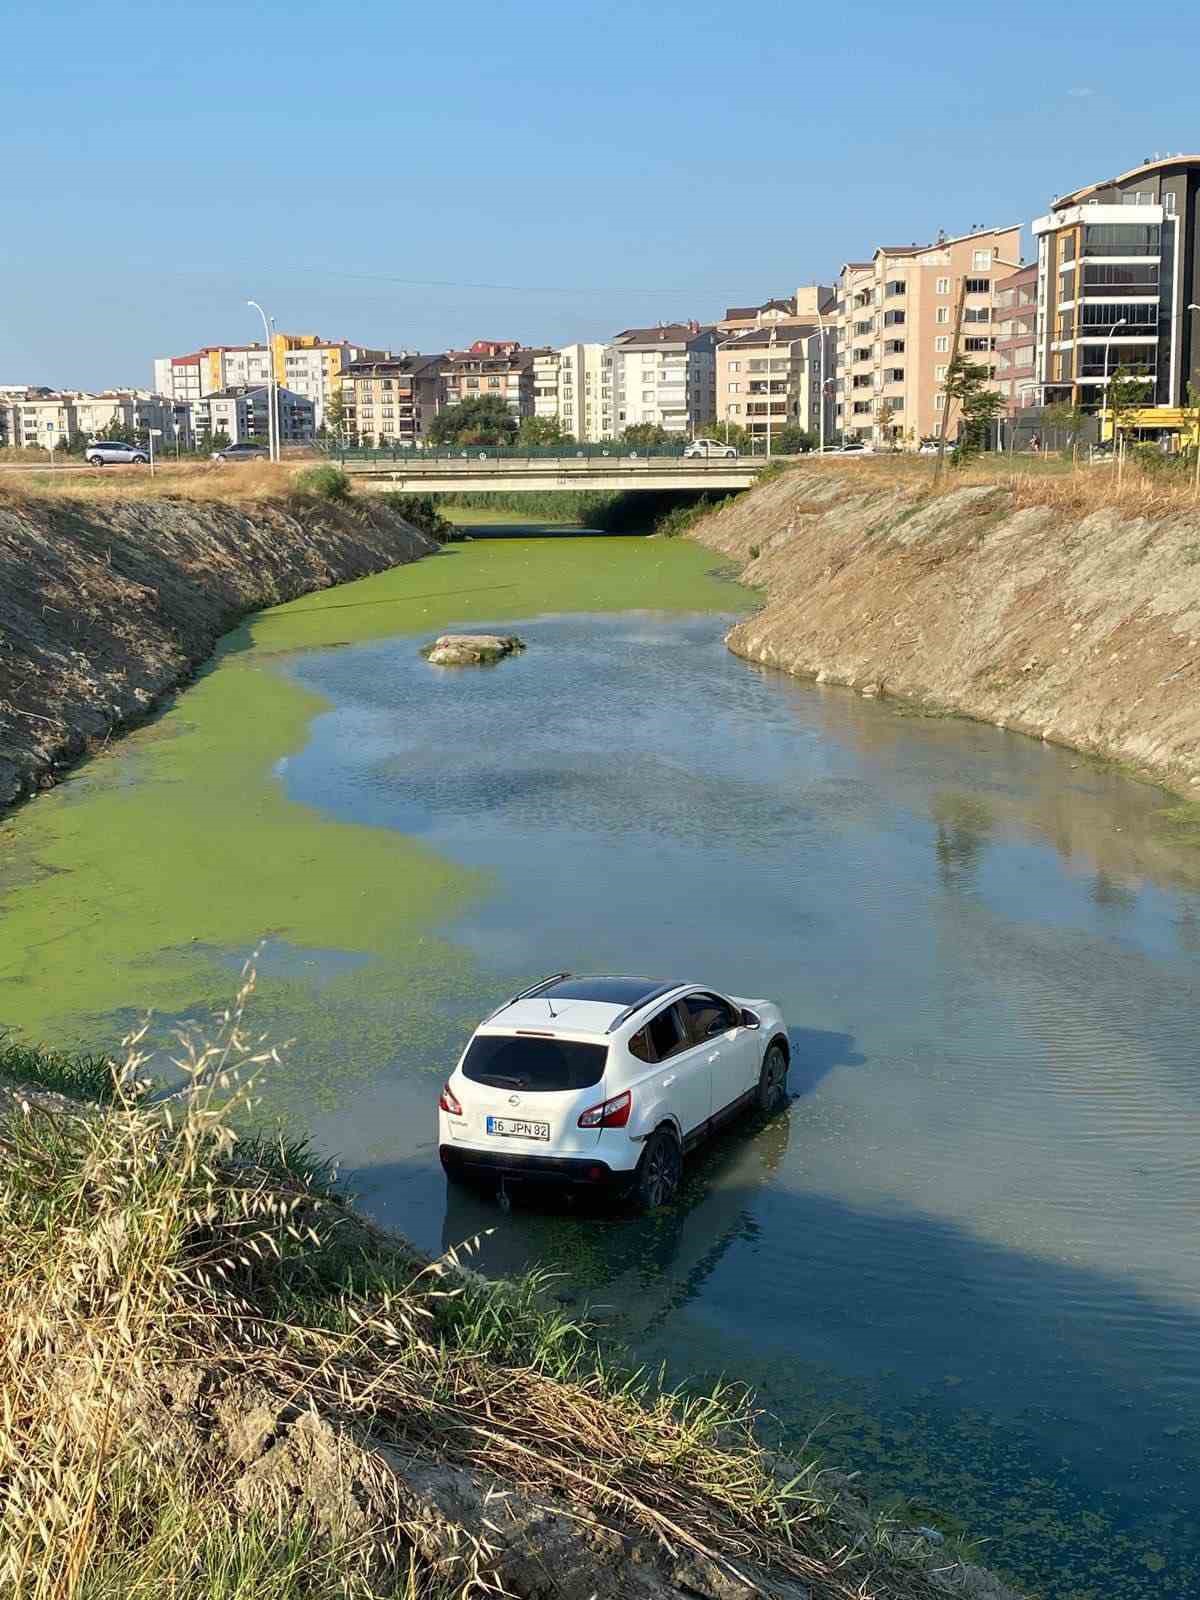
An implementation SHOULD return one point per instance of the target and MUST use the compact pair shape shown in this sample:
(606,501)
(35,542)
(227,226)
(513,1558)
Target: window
(707,1016)
(982,260)
(1106,314)
(977,314)
(735,388)
(544,1066)
(943,314)
(892,319)
(978,285)
(897,286)
(894,347)
(1141,275)
(942,344)
(664,1036)
(893,375)
(939,374)
(943,286)
(735,366)
(977,344)
(647,397)
(862,405)
(1122,239)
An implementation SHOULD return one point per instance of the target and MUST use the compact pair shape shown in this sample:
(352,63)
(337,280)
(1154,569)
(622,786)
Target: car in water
(709,447)
(606,1083)
(111,452)
(248,451)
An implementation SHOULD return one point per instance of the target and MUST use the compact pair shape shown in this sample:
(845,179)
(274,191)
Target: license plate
(518,1128)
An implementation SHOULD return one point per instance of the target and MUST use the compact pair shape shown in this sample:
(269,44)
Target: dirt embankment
(1078,627)
(107,606)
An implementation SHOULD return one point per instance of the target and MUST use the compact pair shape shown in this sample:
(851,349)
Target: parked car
(928,447)
(242,452)
(854,448)
(710,447)
(606,1082)
(107,452)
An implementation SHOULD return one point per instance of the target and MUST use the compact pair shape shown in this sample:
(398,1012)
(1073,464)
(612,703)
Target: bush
(324,483)
(422,511)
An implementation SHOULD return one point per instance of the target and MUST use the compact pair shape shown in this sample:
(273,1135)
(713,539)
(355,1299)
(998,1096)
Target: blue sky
(425,175)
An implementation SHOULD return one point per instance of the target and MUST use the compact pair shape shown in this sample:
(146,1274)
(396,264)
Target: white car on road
(709,447)
(606,1083)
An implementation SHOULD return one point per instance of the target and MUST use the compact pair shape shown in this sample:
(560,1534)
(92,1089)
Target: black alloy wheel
(659,1171)
(772,1080)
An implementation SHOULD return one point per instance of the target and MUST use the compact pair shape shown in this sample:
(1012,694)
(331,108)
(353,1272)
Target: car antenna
(550,1003)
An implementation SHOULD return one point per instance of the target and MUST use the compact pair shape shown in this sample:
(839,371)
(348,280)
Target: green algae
(121,890)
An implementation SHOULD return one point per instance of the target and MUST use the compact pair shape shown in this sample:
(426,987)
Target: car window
(665,1033)
(707,1015)
(535,1065)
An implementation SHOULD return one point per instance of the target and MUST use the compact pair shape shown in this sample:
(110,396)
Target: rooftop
(777,333)
(662,333)
(1157,165)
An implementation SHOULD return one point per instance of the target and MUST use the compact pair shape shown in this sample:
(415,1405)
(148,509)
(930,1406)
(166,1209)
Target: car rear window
(533,1065)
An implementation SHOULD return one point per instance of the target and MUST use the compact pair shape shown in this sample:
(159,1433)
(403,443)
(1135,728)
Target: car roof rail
(524,994)
(647,1000)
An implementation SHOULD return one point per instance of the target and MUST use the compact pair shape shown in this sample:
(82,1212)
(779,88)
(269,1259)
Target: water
(964,1258)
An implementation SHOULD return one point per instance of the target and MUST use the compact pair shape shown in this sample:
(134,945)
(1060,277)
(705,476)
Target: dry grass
(148,1238)
(233,484)
(1052,483)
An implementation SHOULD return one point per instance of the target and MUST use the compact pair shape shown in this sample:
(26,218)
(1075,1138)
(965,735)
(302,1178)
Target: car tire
(95,461)
(731,455)
(658,1174)
(772,1080)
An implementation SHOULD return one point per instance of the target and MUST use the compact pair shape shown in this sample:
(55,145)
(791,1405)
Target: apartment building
(391,401)
(241,411)
(586,394)
(1016,339)
(50,417)
(312,366)
(302,362)
(768,378)
(895,319)
(666,376)
(498,367)
(807,304)
(545,385)
(1118,285)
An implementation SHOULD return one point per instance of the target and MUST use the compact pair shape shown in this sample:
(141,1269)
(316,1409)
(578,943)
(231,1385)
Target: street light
(153,433)
(272,442)
(1107,347)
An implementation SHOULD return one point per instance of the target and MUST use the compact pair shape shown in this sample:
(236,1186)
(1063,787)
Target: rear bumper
(514,1167)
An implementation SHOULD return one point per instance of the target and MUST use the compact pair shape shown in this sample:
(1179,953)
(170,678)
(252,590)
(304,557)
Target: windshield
(533,1065)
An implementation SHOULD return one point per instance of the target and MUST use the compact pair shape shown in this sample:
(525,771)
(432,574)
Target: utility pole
(770,353)
(946,396)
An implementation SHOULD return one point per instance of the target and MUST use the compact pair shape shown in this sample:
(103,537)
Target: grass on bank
(78,1075)
(149,1240)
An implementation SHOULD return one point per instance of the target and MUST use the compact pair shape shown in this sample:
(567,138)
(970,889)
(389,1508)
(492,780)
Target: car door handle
(667,1082)
(715,1055)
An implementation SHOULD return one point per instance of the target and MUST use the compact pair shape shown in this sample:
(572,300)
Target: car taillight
(448,1103)
(609,1114)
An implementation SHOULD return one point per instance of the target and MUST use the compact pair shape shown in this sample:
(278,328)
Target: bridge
(480,470)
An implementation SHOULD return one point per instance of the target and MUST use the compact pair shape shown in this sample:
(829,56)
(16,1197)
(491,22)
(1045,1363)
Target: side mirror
(749,1020)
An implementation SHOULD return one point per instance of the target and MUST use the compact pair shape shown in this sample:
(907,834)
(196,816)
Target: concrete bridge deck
(479,473)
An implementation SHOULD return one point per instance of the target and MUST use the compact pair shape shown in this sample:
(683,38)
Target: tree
(483,419)
(1062,417)
(219,440)
(967,382)
(793,440)
(883,418)
(535,432)
(334,418)
(645,436)
(117,432)
(1128,392)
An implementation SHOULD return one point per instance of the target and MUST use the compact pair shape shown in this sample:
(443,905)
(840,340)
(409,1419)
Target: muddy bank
(106,607)
(1080,628)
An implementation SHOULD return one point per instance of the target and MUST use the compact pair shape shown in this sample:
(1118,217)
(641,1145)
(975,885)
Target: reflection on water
(965,1256)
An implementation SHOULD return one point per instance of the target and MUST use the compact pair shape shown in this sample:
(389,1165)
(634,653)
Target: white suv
(607,1082)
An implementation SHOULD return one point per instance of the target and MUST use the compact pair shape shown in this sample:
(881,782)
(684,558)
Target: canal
(963,1261)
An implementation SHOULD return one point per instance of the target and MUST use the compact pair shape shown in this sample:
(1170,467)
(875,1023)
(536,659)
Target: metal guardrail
(550,455)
